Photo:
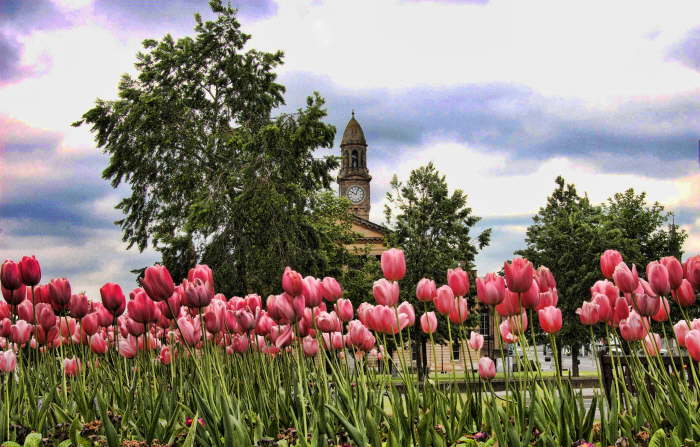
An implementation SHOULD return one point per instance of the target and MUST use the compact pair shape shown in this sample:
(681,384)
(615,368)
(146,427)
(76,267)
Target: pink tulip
(458,280)
(531,298)
(406,309)
(98,345)
(59,291)
(487,368)
(309,346)
(21,332)
(25,311)
(128,347)
(78,306)
(444,300)
(588,313)
(675,271)
(544,278)
(386,292)
(8,361)
(141,308)
(476,341)
(608,289)
(312,291)
(30,270)
(609,261)
(170,308)
(550,319)
(632,328)
(393,264)
(625,279)
(681,329)
(41,294)
(190,330)
(692,271)
(113,298)
(264,324)
(165,355)
(45,316)
(71,366)
(16,296)
(664,309)
(292,282)
(10,277)
(214,317)
(253,302)
(282,336)
(684,295)
(426,290)
(548,298)
(652,343)
(692,344)
(428,322)
(245,319)
(67,327)
(240,343)
(90,323)
(518,274)
(605,312)
(204,273)
(328,322)
(135,328)
(658,277)
(343,308)
(695,324)
(330,289)
(333,340)
(510,304)
(620,311)
(197,293)
(460,311)
(281,308)
(359,336)
(5,327)
(491,289)
(518,323)
(645,305)
(4,310)
(158,283)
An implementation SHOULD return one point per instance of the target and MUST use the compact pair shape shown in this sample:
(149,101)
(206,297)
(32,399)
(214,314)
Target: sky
(501,95)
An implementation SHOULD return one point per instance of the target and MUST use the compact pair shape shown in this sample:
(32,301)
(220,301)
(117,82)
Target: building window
(484,326)
(355,160)
(455,350)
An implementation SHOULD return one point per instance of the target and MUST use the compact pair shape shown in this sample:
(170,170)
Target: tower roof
(353,133)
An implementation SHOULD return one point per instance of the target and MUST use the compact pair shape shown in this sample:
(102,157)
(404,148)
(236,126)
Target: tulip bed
(182,365)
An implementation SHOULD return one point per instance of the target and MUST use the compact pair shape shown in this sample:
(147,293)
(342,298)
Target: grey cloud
(687,51)
(9,59)
(657,139)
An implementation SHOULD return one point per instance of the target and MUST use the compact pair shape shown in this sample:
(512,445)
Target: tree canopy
(215,178)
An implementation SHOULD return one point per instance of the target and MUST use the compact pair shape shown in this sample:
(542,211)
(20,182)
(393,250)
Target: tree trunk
(574,360)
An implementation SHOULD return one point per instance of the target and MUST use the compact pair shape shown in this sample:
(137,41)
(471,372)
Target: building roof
(353,133)
(368,224)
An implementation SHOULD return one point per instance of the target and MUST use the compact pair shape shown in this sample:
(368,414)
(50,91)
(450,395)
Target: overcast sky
(501,95)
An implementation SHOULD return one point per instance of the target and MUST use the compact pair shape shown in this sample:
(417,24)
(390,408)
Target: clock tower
(354,177)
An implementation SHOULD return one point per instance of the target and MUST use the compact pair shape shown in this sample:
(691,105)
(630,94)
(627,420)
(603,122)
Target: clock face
(356,194)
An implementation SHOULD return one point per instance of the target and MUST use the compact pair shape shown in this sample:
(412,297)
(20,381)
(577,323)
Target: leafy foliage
(214,176)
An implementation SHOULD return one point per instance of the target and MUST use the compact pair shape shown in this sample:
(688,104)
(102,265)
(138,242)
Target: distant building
(354,182)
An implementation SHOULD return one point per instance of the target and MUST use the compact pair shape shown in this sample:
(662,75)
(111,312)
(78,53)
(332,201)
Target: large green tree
(568,236)
(433,227)
(215,177)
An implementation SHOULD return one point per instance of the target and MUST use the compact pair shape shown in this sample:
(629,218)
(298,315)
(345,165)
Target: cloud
(656,139)
(9,59)
(174,16)
(687,51)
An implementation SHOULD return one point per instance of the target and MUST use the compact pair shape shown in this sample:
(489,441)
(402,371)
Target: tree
(641,226)
(215,177)
(433,228)
(568,236)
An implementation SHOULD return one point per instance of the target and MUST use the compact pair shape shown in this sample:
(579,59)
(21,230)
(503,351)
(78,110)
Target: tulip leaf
(32,440)
(355,434)
(191,433)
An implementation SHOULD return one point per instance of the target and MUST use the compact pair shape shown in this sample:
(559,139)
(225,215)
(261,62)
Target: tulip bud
(531,298)
(393,264)
(684,295)
(519,275)
(30,271)
(608,261)
(309,346)
(445,300)
(78,306)
(141,308)
(426,290)
(692,271)
(312,291)
(491,289)
(15,296)
(98,345)
(204,273)
(544,278)
(510,305)
(692,344)
(343,308)
(386,292)
(71,366)
(292,282)
(428,322)
(459,312)
(60,293)
(113,298)
(330,289)
(487,368)
(25,311)
(588,313)
(476,341)
(550,319)
(625,279)
(8,361)
(158,283)
(658,277)
(681,329)
(10,276)
(458,280)
(675,271)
